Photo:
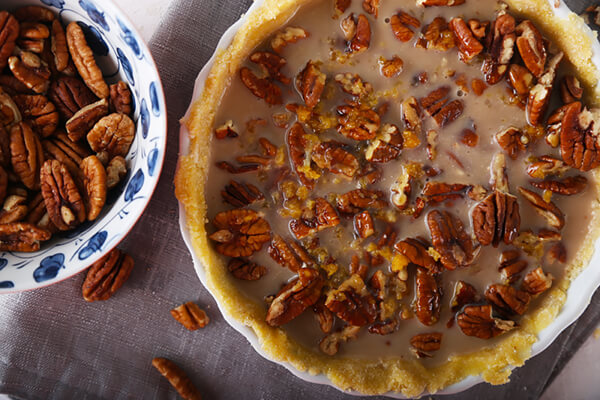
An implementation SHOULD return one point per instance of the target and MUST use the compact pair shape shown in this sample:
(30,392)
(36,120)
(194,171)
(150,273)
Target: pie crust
(407,376)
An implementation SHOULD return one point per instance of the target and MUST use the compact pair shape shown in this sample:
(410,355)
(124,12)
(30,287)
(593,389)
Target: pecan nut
(537,282)
(120,98)
(360,199)
(464,294)
(424,343)
(177,378)
(115,171)
(416,253)
(263,88)
(190,316)
(353,84)
(512,141)
(466,42)
(107,275)
(295,297)
(83,57)
(364,225)
(246,270)
(34,14)
(478,321)
(310,83)
(507,300)
(439,192)
(352,302)
(570,89)
(297,143)
(358,122)
(69,153)
(428,297)
(520,79)
(332,156)
(84,120)
(59,47)
(31,71)
(330,344)
(437,35)
(94,183)
(9,31)
(450,239)
(438,106)
(539,95)
(511,266)
(291,34)
(240,194)
(69,95)
(320,217)
(26,154)
(362,37)
(112,134)
(566,187)
(401,23)
(546,166)
(22,236)
(240,233)
(548,210)
(271,65)
(9,112)
(284,254)
(579,146)
(14,208)
(391,67)
(39,112)
(61,196)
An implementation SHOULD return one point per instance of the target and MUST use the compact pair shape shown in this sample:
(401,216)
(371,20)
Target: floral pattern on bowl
(122,55)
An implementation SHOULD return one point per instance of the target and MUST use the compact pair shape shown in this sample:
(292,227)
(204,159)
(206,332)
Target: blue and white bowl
(122,55)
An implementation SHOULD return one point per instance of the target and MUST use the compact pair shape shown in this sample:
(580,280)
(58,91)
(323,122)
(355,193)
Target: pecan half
(334,157)
(69,95)
(271,64)
(428,297)
(579,146)
(61,196)
(439,192)
(358,122)
(310,83)
(464,294)
(284,254)
(321,217)
(450,239)
(9,112)
(546,166)
(58,46)
(240,233)
(557,252)
(416,253)
(548,210)
(348,26)
(297,143)
(539,95)
(341,6)
(39,112)
(15,207)
(362,38)
(437,35)
(501,40)
(190,316)
(71,154)
(364,225)
(31,71)
(115,171)
(177,378)
(26,154)
(478,321)
(391,67)
(240,194)
(520,79)
(401,23)
(507,300)
(83,57)
(9,31)
(424,343)
(353,84)
(512,140)
(531,47)
(263,88)
(352,302)
(330,344)
(290,34)
(371,7)
(120,98)
(295,297)
(537,282)
(360,199)
(246,270)
(112,134)
(570,89)
(467,44)
(439,107)
(496,219)
(94,182)
(566,187)
(325,318)
(20,236)
(511,266)
(107,275)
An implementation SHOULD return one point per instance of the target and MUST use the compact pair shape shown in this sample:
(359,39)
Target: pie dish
(346,370)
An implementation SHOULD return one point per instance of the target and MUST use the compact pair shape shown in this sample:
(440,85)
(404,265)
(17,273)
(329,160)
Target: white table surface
(578,381)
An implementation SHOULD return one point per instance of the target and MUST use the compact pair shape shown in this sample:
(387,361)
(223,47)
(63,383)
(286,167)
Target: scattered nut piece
(177,378)
(190,316)
(106,276)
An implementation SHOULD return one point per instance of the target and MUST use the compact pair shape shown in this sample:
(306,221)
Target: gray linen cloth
(53,345)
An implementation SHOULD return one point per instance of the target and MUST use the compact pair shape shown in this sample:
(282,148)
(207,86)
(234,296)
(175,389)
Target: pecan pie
(396,194)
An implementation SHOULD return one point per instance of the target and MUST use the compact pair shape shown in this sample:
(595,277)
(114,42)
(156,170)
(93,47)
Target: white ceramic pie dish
(579,292)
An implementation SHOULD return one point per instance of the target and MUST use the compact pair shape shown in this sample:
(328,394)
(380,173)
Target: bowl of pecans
(82,136)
